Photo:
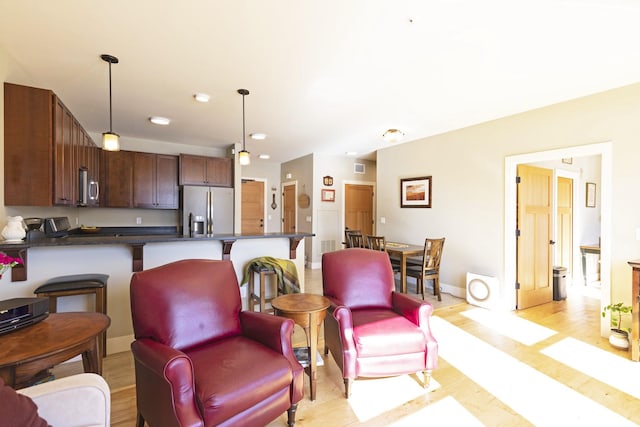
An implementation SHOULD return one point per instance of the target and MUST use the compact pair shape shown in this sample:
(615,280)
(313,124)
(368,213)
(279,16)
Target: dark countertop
(135,236)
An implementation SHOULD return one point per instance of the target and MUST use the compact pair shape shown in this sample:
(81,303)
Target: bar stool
(260,298)
(78,284)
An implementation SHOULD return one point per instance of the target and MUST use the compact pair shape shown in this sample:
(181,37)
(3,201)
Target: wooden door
(358,208)
(289,208)
(564,231)
(252,218)
(534,247)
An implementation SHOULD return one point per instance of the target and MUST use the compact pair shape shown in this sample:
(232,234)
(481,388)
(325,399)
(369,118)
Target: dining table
(403,251)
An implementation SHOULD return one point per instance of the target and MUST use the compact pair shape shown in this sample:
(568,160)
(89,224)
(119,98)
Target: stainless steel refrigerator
(212,205)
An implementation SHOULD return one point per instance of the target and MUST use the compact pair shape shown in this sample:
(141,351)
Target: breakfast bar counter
(136,238)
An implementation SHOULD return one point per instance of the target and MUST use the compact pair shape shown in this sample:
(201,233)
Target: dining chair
(430,268)
(354,239)
(376,243)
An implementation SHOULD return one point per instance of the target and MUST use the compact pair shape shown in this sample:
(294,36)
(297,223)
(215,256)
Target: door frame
(343,203)
(604,150)
(576,220)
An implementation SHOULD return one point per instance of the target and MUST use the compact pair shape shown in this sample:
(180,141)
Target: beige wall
(468,169)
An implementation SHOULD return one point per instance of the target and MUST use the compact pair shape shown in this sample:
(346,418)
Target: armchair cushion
(382,332)
(231,390)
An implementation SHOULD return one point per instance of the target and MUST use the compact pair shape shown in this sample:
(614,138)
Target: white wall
(469,188)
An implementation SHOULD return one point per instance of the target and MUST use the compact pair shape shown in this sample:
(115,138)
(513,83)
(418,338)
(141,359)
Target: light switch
(637,233)
(383,220)
(308,218)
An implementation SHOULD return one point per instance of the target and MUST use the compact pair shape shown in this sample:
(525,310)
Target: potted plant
(619,337)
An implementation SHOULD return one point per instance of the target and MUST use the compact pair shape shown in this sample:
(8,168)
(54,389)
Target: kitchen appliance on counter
(34,229)
(56,226)
(206,210)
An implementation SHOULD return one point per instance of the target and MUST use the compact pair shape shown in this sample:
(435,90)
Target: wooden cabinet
(202,170)
(117,179)
(155,181)
(44,148)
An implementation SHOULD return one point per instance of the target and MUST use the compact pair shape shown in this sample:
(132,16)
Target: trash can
(559,283)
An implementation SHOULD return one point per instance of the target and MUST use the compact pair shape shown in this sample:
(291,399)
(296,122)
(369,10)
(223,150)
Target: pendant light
(243,155)
(110,140)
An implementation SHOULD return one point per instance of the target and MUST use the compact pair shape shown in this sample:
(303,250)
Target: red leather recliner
(199,359)
(371,330)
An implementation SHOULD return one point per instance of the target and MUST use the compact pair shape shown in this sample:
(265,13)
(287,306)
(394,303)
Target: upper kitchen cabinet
(155,181)
(117,179)
(202,170)
(44,148)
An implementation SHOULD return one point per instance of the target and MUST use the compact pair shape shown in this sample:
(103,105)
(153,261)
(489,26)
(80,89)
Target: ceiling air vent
(358,168)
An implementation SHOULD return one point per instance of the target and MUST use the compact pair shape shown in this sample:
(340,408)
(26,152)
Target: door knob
(552,242)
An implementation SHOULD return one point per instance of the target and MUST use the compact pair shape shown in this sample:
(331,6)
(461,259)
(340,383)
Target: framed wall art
(415,192)
(328,195)
(591,195)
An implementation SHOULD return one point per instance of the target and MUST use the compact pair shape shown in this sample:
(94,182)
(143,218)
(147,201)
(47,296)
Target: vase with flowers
(7,262)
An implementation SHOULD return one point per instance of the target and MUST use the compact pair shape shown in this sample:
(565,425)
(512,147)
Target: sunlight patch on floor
(540,399)
(510,325)
(600,364)
(446,412)
(371,397)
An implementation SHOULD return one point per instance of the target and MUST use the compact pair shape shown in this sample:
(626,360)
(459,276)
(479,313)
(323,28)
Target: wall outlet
(77,221)
(138,220)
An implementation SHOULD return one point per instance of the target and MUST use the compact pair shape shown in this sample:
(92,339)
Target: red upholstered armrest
(272,331)
(164,363)
(275,332)
(415,310)
(418,312)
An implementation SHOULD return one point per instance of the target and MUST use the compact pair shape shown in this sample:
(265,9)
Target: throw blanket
(285,271)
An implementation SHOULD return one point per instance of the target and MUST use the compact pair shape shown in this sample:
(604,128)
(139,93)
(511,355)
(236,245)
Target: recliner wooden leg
(140,420)
(347,387)
(427,378)
(291,415)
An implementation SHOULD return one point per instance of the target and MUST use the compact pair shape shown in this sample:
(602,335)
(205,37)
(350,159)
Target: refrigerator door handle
(209,212)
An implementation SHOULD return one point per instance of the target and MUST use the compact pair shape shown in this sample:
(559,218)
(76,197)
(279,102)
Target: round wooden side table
(308,311)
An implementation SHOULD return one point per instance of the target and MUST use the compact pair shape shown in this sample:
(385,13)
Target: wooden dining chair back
(430,268)
(376,243)
(354,239)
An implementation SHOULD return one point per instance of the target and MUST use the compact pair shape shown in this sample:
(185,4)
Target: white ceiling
(325,76)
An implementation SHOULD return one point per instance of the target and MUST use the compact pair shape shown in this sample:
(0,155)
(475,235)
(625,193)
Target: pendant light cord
(110,106)
(243,129)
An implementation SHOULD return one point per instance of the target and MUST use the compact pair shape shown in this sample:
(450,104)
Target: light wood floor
(576,317)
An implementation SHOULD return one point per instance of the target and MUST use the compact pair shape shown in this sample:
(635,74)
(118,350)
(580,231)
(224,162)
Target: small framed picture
(415,192)
(328,195)
(591,195)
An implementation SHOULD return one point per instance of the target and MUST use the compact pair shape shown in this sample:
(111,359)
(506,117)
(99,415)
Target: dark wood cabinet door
(28,146)
(202,170)
(144,177)
(193,170)
(166,181)
(155,181)
(220,171)
(117,179)
(64,128)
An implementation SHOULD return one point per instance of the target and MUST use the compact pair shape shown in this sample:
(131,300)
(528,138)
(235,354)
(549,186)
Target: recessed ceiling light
(351,153)
(201,97)
(264,156)
(258,135)
(156,120)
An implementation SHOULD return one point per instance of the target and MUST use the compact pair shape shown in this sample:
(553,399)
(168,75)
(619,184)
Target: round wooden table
(308,311)
(61,336)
